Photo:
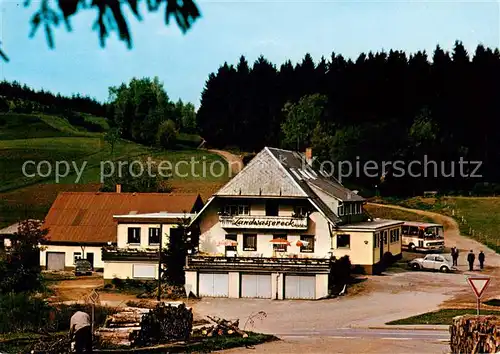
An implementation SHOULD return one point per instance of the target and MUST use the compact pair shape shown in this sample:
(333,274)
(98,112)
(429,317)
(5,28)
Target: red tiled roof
(87,217)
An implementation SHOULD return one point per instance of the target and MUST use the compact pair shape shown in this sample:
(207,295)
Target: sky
(279,30)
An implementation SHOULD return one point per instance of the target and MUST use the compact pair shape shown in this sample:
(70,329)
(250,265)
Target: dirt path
(76,290)
(452,234)
(234,161)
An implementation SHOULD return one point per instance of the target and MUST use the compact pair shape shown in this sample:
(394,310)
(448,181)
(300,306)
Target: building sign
(263,222)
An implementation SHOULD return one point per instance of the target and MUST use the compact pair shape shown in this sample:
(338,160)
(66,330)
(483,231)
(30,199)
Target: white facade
(71,253)
(213,234)
(138,238)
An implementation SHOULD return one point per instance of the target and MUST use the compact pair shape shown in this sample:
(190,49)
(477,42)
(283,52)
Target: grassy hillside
(394,214)
(25,137)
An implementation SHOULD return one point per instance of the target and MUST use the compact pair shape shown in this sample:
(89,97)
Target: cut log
(475,334)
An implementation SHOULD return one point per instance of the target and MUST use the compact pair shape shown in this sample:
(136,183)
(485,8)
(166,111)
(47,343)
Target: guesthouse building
(272,230)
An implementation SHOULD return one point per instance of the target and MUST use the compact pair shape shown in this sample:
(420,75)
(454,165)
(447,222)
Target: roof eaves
(197,215)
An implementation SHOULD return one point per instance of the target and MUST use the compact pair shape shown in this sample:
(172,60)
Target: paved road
(388,334)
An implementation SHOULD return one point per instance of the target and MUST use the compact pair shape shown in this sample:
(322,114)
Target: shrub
(340,273)
(21,313)
(167,134)
(117,283)
(387,259)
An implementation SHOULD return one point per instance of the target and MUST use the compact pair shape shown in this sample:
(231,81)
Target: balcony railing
(263,222)
(129,254)
(257,263)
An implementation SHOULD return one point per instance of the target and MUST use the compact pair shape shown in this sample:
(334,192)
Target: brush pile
(219,327)
(163,324)
(53,344)
(171,292)
(475,334)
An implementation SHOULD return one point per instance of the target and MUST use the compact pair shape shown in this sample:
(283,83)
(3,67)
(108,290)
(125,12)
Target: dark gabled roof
(283,173)
(87,217)
(306,176)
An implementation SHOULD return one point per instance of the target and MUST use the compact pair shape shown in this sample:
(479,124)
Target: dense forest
(45,101)
(383,106)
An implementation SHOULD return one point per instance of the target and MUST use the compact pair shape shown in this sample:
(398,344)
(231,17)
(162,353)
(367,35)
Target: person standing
(81,329)
(480,257)
(456,256)
(471,257)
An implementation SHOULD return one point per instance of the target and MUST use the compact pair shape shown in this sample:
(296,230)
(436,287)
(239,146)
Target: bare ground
(235,161)
(77,290)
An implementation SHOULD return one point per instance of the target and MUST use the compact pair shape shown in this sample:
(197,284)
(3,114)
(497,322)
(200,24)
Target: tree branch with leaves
(110,16)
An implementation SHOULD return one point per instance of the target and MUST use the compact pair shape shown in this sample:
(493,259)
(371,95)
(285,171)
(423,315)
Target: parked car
(83,267)
(439,262)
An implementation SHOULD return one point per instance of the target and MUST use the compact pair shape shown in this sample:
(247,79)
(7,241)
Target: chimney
(309,156)
(118,188)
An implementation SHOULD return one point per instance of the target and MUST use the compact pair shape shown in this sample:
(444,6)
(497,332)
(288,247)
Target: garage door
(300,287)
(256,286)
(144,271)
(55,260)
(213,285)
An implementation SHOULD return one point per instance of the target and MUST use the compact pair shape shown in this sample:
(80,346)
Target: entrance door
(55,260)
(256,286)
(90,258)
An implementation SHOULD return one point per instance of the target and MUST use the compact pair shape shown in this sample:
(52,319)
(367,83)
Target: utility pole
(159,263)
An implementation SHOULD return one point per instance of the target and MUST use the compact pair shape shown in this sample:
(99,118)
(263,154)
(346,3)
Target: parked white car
(439,262)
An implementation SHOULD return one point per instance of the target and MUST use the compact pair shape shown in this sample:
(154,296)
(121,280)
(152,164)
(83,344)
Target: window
(300,211)
(341,210)
(309,246)
(405,230)
(232,237)
(76,256)
(272,208)
(376,240)
(439,259)
(397,235)
(242,209)
(249,242)
(391,232)
(134,235)
(343,241)
(385,237)
(154,235)
(280,247)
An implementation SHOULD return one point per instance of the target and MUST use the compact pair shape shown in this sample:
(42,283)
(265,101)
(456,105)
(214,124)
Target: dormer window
(300,211)
(350,209)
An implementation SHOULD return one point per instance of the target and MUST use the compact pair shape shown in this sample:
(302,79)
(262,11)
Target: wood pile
(164,323)
(219,327)
(129,317)
(475,334)
(118,328)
